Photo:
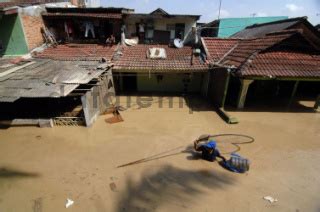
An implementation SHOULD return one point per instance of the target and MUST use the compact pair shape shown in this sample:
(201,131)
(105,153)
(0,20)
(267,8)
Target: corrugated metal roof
(85,15)
(47,78)
(77,52)
(262,30)
(230,26)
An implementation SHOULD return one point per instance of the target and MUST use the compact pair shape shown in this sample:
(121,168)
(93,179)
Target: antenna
(219,9)
(253,14)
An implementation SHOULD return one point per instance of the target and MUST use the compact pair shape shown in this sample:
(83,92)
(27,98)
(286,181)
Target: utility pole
(254,15)
(220,2)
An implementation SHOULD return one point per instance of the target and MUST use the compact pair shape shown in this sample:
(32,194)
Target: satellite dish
(178,43)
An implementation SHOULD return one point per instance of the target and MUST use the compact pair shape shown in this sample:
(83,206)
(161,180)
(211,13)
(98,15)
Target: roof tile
(135,58)
(78,52)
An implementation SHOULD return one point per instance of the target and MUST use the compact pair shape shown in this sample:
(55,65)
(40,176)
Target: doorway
(129,81)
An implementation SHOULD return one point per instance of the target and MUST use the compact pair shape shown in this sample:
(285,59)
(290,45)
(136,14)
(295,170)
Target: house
(270,68)
(61,86)
(159,69)
(159,27)
(226,27)
(259,30)
(20,25)
(155,65)
(85,24)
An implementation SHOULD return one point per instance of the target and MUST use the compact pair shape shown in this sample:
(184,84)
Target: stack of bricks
(32,29)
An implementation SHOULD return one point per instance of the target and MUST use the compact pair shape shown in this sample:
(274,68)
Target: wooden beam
(317,103)
(293,94)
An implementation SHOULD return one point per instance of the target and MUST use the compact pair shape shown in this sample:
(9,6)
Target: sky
(208,9)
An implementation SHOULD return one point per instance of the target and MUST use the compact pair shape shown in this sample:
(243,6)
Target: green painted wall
(12,36)
(230,26)
(169,83)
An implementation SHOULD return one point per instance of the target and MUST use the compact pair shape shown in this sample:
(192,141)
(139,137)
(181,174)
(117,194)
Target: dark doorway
(129,81)
(180,31)
(233,91)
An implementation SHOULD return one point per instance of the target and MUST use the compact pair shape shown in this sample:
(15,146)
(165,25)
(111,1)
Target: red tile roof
(248,47)
(284,64)
(85,15)
(216,48)
(277,55)
(78,52)
(135,59)
(7,4)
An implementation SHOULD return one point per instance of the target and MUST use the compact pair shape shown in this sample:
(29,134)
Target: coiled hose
(206,137)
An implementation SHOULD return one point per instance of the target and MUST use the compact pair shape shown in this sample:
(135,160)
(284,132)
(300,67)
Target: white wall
(161,24)
(92,3)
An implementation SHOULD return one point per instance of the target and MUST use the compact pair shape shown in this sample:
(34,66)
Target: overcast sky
(208,9)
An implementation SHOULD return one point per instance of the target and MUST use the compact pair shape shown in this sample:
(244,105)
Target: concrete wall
(12,36)
(92,3)
(169,83)
(160,24)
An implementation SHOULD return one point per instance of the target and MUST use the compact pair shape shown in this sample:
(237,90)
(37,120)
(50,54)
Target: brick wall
(32,29)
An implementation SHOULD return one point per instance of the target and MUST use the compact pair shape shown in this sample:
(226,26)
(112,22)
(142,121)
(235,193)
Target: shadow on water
(274,107)
(11,173)
(169,185)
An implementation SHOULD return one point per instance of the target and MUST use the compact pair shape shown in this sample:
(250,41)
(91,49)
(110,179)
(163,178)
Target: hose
(204,138)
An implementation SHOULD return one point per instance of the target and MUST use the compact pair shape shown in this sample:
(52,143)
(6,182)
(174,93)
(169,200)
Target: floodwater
(41,168)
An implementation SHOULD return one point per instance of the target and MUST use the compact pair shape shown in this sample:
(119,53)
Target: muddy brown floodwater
(41,168)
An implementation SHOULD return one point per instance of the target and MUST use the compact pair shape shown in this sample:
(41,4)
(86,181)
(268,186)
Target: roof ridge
(279,21)
(216,38)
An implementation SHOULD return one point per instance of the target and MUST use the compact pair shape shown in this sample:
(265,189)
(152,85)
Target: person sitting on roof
(111,40)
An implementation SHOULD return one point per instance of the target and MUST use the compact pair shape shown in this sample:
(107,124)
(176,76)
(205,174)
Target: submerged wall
(169,82)
(11,35)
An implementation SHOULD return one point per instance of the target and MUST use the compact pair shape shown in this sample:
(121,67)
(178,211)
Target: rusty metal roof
(84,15)
(46,78)
(86,52)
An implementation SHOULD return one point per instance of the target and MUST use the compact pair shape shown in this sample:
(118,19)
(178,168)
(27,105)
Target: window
(149,30)
(172,29)
(180,31)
